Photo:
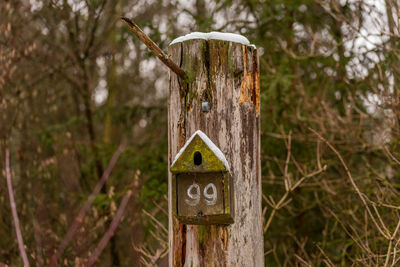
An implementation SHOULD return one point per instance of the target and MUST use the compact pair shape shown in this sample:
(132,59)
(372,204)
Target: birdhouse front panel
(199,194)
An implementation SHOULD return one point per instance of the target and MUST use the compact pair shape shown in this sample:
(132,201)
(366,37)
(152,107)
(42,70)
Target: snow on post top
(224,36)
(210,145)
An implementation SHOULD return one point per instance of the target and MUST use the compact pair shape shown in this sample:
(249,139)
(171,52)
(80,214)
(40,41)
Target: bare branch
(302,260)
(353,183)
(110,232)
(328,261)
(79,218)
(285,175)
(157,256)
(14,211)
(287,182)
(150,255)
(391,155)
(154,48)
(156,221)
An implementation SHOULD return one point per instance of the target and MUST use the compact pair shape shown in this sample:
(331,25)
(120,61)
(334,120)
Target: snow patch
(210,145)
(224,36)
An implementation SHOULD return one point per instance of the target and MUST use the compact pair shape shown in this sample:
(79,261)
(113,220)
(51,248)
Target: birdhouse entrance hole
(197,158)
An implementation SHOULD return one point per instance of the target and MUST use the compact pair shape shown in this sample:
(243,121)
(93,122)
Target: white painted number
(211,199)
(194,198)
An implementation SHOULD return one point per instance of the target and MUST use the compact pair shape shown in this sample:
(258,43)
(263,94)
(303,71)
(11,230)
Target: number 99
(194,197)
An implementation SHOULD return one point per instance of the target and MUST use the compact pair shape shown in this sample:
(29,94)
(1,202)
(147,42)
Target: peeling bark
(226,75)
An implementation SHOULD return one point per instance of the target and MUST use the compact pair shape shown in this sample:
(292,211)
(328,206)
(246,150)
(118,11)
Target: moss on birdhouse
(198,157)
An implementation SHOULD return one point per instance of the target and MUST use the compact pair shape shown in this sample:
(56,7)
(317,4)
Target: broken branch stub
(154,48)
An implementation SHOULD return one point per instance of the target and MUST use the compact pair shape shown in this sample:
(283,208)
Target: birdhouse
(202,188)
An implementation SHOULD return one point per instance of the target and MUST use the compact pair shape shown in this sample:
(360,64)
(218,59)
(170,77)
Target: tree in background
(75,84)
(329,131)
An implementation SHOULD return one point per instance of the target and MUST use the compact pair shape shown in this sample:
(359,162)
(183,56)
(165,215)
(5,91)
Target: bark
(226,75)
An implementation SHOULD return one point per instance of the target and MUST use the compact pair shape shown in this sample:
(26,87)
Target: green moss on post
(202,231)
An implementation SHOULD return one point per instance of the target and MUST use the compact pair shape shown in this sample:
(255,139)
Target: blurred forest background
(75,85)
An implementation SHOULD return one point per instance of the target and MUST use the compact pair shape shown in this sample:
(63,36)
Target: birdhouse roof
(212,158)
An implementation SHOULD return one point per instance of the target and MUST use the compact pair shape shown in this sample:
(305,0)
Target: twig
(154,48)
(353,183)
(391,244)
(157,256)
(301,260)
(329,262)
(160,208)
(149,256)
(394,253)
(308,176)
(286,176)
(355,240)
(288,184)
(14,211)
(283,202)
(110,232)
(79,218)
(391,155)
(156,221)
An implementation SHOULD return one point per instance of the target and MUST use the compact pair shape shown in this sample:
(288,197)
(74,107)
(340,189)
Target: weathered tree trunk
(226,75)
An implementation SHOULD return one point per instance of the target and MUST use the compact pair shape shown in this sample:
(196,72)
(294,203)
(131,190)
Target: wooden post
(226,75)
